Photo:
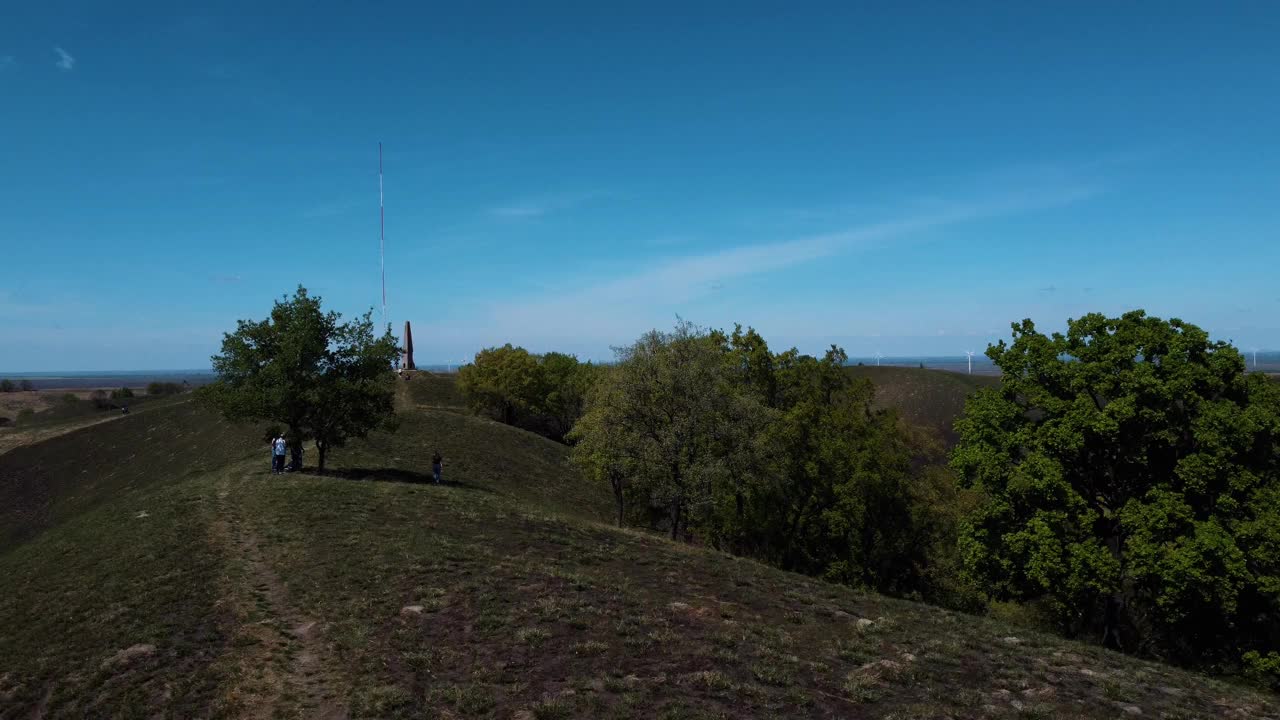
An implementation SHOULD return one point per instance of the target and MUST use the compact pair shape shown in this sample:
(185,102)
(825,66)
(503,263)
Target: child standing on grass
(437,467)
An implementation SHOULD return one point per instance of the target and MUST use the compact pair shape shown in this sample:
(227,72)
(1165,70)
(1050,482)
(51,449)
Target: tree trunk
(618,497)
(321,449)
(1115,602)
(675,520)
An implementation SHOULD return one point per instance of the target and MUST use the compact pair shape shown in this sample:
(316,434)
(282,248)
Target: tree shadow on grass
(412,477)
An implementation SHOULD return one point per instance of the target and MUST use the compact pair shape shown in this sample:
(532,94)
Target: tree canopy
(302,367)
(1129,472)
(777,456)
(543,393)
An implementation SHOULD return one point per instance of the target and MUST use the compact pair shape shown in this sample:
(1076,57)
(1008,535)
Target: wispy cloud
(65,60)
(544,204)
(227,279)
(609,306)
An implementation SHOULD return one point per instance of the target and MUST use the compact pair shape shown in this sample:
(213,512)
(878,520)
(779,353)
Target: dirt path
(11,438)
(280,665)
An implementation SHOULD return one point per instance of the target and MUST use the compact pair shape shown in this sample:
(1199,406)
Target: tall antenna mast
(382,239)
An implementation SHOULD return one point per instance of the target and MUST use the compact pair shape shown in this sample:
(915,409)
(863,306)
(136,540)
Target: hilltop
(150,566)
(928,398)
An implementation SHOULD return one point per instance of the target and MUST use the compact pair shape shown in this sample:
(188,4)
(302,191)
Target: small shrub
(70,399)
(121,394)
(26,386)
(532,636)
(1263,670)
(99,399)
(6,385)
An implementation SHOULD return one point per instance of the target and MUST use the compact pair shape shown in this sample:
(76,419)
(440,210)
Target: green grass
(68,474)
(929,398)
(370,593)
(435,390)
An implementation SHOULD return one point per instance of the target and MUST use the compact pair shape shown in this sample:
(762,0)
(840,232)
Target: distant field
(91,380)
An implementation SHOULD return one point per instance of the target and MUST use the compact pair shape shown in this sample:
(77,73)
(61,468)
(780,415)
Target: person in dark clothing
(437,467)
(295,455)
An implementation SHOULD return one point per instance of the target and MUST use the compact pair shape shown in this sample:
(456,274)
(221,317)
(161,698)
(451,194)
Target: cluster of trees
(779,456)
(542,393)
(158,388)
(8,386)
(1123,481)
(324,379)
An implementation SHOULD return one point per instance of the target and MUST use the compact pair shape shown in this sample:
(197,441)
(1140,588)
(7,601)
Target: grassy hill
(159,570)
(928,398)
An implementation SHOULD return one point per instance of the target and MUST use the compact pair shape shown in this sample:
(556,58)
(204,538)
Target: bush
(70,399)
(99,399)
(26,386)
(6,385)
(121,394)
(165,388)
(1263,670)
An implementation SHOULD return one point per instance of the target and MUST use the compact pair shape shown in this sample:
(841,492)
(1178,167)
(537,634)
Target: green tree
(502,381)
(25,385)
(6,385)
(562,397)
(122,393)
(601,447)
(1130,480)
(302,367)
(665,409)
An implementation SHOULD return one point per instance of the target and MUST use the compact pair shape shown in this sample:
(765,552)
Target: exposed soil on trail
(283,666)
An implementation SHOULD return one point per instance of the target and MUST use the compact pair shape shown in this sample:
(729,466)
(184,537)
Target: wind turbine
(1255,358)
(970,354)
(878,356)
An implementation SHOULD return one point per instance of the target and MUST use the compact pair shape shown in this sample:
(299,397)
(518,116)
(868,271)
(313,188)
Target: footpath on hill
(187,581)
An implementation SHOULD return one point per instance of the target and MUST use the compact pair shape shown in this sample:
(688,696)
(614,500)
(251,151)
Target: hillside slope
(223,591)
(929,398)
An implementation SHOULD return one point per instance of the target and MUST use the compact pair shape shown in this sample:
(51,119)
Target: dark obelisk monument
(408,348)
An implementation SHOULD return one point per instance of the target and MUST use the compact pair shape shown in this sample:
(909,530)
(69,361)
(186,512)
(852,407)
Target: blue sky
(907,180)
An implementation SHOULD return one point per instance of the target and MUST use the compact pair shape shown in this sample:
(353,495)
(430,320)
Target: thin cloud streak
(544,205)
(65,60)
(609,307)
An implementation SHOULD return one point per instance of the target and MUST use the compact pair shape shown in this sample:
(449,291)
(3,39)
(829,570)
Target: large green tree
(668,405)
(327,380)
(502,381)
(1129,471)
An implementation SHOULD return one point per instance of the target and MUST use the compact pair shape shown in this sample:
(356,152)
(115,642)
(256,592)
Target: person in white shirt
(278,449)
